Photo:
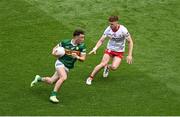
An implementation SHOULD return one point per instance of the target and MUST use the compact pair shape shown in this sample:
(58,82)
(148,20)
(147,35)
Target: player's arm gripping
(82,57)
(99,43)
(130,50)
(54,51)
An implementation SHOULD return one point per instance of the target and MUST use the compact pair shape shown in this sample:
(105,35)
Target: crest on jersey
(77,48)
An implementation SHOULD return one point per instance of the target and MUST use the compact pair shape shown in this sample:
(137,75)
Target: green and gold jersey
(70,48)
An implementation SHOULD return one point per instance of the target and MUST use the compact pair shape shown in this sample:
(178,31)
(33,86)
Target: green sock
(53,93)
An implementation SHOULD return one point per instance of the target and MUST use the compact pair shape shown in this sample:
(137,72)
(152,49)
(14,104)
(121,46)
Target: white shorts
(59,64)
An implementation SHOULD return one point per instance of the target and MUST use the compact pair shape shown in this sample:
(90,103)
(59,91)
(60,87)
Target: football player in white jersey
(117,35)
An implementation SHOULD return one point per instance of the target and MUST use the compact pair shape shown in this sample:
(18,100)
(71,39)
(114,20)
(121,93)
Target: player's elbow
(53,53)
(130,41)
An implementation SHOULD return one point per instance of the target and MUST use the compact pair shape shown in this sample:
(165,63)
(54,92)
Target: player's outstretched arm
(99,43)
(130,50)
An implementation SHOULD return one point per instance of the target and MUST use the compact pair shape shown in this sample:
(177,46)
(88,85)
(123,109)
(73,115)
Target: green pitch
(30,28)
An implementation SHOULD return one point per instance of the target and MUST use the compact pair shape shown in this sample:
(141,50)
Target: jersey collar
(73,43)
(115,30)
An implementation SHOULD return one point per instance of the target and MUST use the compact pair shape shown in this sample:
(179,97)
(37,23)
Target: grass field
(30,28)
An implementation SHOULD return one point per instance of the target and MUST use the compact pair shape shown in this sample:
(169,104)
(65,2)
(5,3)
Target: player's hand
(75,55)
(54,52)
(129,59)
(93,51)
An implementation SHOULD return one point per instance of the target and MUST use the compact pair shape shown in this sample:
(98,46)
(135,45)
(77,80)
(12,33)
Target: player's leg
(103,63)
(48,80)
(55,77)
(51,80)
(115,64)
(62,77)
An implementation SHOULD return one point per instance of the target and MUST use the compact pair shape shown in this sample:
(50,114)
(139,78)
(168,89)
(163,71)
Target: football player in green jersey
(74,50)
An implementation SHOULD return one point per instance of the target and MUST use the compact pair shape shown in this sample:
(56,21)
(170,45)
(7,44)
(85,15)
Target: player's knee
(114,67)
(50,81)
(103,64)
(64,78)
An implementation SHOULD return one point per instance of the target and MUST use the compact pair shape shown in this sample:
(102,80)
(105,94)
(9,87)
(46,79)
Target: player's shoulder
(66,41)
(123,28)
(108,28)
(82,45)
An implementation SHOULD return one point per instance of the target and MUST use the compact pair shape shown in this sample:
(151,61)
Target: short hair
(113,18)
(77,32)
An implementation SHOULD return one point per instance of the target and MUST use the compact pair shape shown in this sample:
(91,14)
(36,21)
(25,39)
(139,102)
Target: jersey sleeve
(63,43)
(107,32)
(60,44)
(83,49)
(125,32)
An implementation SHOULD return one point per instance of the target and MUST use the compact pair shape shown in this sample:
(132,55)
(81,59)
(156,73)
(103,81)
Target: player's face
(80,39)
(113,25)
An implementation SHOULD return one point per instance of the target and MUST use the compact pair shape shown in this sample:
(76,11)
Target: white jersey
(117,39)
